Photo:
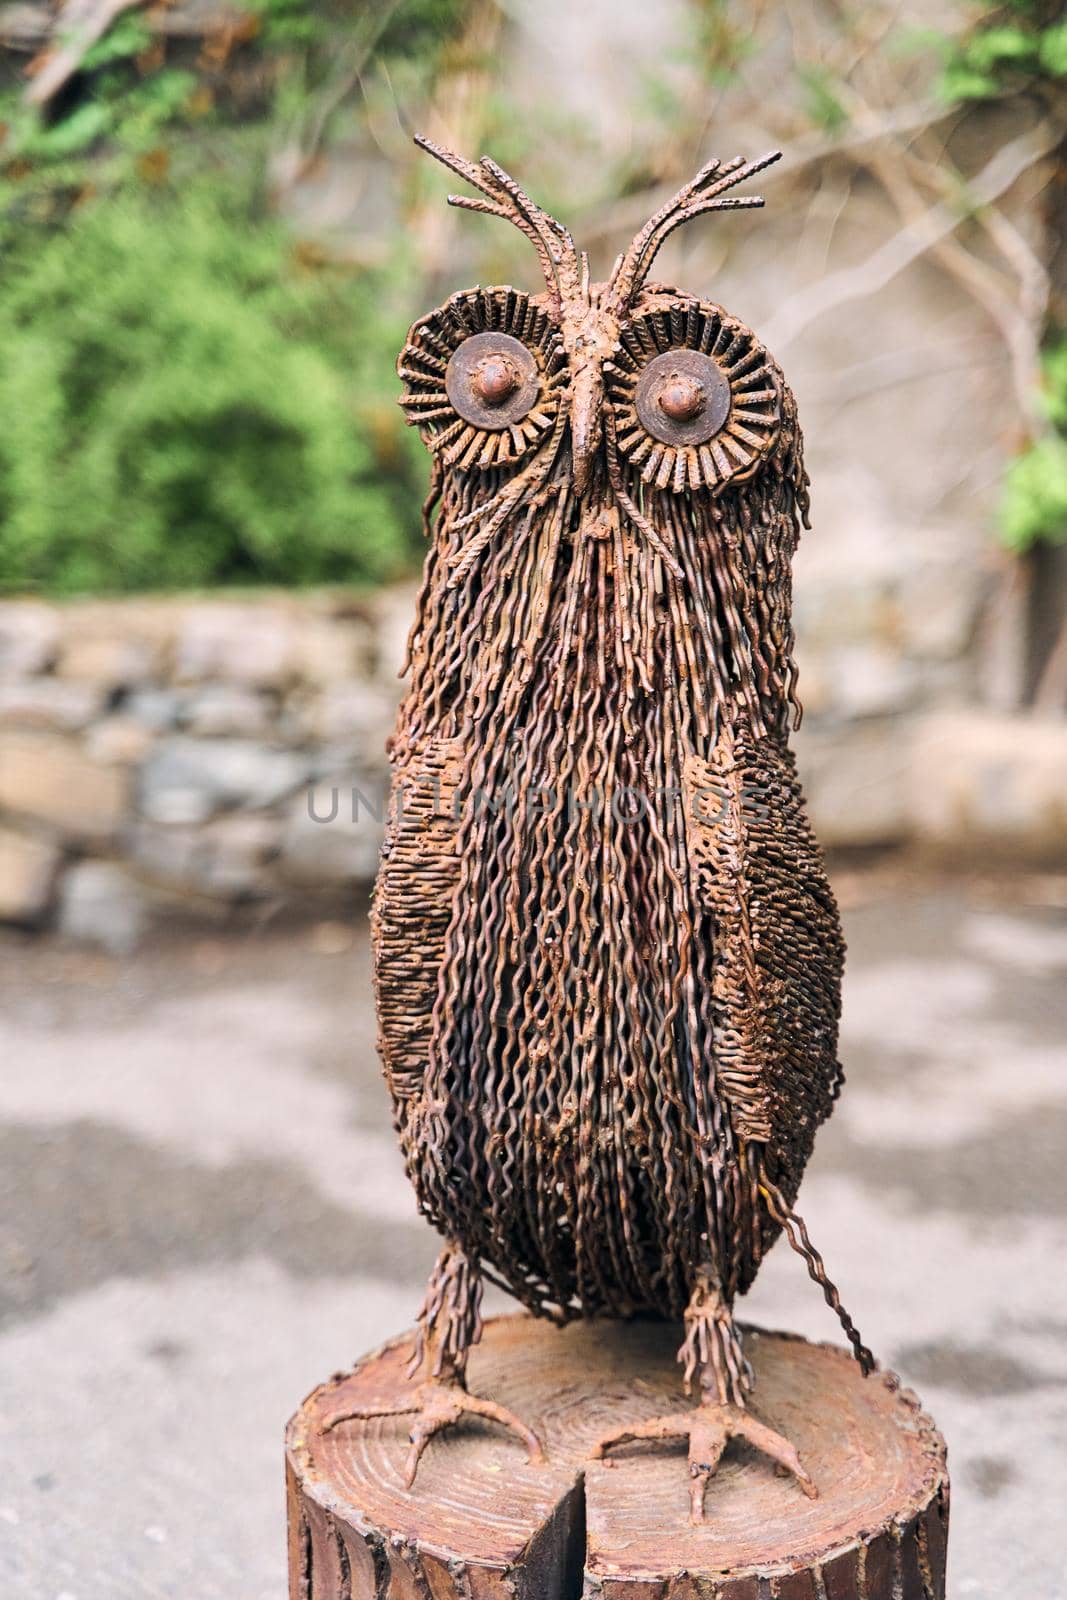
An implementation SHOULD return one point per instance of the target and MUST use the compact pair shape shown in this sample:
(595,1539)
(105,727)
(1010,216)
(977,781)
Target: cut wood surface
(480,1523)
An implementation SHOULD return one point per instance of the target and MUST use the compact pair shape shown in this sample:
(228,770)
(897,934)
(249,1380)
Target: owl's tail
(796,1232)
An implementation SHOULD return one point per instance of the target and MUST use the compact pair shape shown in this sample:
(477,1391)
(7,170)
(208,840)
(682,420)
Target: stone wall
(156,755)
(180,756)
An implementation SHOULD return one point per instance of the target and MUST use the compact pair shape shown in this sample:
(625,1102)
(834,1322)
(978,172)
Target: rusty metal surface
(879,1523)
(608,959)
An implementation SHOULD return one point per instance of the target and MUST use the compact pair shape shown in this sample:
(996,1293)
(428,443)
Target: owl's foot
(709,1427)
(449,1323)
(436,1405)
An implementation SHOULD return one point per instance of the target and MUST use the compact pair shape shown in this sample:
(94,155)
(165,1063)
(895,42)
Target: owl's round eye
(696,398)
(682,397)
(483,377)
(492,380)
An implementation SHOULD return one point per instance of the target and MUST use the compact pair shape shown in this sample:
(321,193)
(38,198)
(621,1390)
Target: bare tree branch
(78,26)
(935,225)
(65,36)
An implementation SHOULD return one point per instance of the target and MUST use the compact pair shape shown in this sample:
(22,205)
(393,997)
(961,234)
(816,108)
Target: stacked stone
(163,754)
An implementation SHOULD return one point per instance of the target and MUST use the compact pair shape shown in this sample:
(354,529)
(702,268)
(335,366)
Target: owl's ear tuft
(503,197)
(703,193)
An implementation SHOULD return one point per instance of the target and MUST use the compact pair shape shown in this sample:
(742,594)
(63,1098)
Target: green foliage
(285,23)
(723,42)
(185,404)
(1009,47)
(1020,47)
(1034,504)
(421,28)
(1055,392)
(134,119)
(822,102)
(190,396)
(1052,51)
(128,37)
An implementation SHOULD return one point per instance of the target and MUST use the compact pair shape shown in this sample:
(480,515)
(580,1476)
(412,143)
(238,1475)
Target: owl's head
(620,372)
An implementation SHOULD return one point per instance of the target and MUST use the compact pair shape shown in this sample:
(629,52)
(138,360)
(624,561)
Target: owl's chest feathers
(573,680)
(571,821)
(605,696)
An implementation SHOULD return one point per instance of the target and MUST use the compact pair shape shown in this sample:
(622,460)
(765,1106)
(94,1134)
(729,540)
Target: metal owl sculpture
(607,957)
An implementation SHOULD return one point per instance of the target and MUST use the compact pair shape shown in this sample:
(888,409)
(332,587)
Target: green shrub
(1034,504)
(190,396)
(185,402)
(1020,45)
(1019,48)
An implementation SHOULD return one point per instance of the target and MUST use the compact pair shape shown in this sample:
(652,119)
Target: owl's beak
(587,404)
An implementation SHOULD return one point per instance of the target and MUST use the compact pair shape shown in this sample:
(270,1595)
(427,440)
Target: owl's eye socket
(492,380)
(696,399)
(483,378)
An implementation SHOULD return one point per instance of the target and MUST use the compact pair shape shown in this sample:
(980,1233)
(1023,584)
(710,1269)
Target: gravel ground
(202,1214)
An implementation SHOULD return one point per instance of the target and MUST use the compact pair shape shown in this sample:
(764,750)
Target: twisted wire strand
(797,1234)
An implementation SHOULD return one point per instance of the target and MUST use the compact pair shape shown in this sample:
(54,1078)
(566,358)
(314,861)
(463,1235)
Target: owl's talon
(708,1428)
(436,1405)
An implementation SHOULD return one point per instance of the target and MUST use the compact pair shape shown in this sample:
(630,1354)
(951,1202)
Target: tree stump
(480,1523)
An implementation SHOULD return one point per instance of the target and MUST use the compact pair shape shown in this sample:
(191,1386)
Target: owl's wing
(778,955)
(778,950)
(410,913)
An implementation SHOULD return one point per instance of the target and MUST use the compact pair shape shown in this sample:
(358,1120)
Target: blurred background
(214,232)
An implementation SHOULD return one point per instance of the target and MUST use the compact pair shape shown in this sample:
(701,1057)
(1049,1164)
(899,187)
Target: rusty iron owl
(607,957)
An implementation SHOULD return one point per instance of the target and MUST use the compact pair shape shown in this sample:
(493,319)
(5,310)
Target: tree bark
(480,1523)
